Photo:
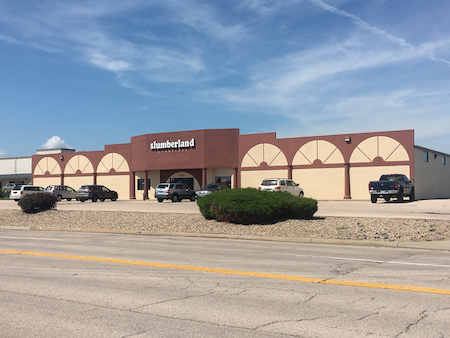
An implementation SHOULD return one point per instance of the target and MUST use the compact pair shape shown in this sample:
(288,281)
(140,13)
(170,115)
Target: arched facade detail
(386,148)
(79,163)
(47,165)
(113,161)
(264,153)
(321,150)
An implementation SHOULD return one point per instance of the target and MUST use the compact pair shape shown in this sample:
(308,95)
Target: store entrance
(186,181)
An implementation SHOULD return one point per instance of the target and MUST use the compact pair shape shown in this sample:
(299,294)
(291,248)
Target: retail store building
(327,167)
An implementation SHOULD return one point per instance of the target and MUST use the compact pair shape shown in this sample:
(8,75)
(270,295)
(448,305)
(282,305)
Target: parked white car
(20,190)
(281,184)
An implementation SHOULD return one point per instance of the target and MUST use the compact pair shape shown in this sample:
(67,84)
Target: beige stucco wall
(46,181)
(113,161)
(360,178)
(212,173)
(81,163)
(322,184)
(321,150)
(432,178)
(154,176)
(119,183)
(77,182)
(47,164)
(264,152)
(254,178)
(379,146)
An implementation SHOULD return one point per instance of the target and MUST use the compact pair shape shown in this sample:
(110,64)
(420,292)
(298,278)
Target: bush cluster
(33,203)
(252,206)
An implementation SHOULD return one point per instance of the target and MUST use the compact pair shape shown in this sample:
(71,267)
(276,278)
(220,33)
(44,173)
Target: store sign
(172,145)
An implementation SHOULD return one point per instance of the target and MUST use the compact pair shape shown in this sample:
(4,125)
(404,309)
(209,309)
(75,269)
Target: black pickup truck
(392,186)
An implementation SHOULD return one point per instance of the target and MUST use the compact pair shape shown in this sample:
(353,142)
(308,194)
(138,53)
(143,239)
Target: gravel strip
(349,228)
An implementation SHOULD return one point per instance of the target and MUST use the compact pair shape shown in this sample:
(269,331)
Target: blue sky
(83,74)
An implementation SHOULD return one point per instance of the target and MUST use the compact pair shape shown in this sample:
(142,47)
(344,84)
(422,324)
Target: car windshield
(269,182)
(17,187)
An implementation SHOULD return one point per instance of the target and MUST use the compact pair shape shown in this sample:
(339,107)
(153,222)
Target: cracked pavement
(57,297)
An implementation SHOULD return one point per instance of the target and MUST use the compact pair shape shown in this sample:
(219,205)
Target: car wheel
(412,197)
(103,200)
(69,199)
(59,198)
(387,199)
(301,194)
(400,196)
(82,200)
(193,198)
(114,198)
(373,198)
(160,200)
(175,198)
(94,198)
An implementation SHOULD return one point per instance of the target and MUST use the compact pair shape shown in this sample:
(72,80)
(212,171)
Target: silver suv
(62,192)
(21,190)
(174,191)
(281,184)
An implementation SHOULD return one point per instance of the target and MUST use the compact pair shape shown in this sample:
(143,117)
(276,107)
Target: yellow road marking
(237,272)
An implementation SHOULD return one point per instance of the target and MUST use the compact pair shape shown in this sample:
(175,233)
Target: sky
(83,74)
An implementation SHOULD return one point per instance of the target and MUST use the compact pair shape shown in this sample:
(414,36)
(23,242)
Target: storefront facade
(327,167)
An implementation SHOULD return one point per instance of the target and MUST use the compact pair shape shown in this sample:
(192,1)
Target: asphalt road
(61,284)
(423,209)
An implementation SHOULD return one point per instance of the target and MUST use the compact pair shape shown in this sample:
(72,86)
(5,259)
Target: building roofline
(431,150)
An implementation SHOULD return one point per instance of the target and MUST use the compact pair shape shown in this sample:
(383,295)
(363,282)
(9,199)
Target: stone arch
(264,153)
(113,161)
(318,150)
(379,147)
(79,163)
(47,165)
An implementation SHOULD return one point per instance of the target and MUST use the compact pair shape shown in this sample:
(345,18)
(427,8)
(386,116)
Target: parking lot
(423,209)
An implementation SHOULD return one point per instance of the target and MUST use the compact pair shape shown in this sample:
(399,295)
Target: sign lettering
(180,144)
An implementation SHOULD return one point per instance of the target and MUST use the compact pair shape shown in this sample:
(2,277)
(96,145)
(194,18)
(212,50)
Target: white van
(20,190)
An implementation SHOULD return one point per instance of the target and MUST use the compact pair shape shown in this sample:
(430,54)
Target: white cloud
(3,153)
(204,19)
(55,142)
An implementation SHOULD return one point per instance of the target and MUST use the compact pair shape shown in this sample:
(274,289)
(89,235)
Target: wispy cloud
(8,39)
(324,64)
(428,49)
(81,29)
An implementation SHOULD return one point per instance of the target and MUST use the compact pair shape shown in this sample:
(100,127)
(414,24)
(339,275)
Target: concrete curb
(434,245)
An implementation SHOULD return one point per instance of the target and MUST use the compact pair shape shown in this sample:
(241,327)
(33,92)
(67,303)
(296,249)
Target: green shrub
(33,203)
(252,206)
